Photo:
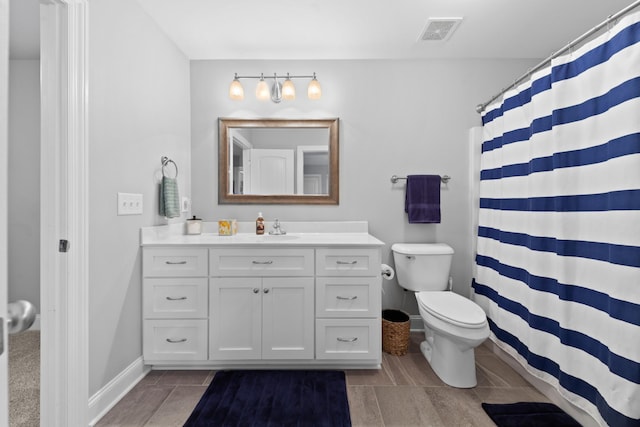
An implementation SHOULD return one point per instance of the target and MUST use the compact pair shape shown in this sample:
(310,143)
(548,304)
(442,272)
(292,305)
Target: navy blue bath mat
(273,398)
(528,414)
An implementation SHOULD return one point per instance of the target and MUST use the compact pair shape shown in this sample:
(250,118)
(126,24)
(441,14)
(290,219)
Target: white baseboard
(416,323)
(106,398)
(36,324)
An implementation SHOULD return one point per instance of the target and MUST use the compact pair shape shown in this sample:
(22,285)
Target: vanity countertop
(301,234)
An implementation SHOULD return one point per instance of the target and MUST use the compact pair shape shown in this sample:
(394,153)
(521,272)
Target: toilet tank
(423,266)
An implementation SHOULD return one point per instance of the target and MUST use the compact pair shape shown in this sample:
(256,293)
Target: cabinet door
(235,318)
(288,318)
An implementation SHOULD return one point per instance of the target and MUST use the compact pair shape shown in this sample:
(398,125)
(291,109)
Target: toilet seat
(452,308)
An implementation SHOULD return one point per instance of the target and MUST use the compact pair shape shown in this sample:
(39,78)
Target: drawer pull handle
(347,298)
(175,262)
(176,341)
(176,298)
(262,262)
(352,339)
(354,262)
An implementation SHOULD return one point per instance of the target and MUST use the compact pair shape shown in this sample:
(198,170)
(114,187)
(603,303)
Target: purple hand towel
(422,199)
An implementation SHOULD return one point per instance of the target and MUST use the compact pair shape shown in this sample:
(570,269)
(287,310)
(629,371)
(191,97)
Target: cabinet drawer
(257,262)
(348,339)
(348,297)
(348,262)
(184,298)
(178,262)
(175,340)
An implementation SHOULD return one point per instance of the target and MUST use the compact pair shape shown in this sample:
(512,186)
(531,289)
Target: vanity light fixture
(288,89)
(236,91)
(262,89)
(314,91)
(279,91)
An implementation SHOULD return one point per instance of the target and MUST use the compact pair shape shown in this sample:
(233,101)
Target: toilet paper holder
(387,272)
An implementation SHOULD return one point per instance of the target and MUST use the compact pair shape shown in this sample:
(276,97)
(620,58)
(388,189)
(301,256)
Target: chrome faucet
(277,229)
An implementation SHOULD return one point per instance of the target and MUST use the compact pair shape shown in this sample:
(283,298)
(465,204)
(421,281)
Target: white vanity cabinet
(256,318)
(348,304)
(175,310)
(304,301)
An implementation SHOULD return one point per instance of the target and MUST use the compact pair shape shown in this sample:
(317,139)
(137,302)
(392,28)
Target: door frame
(4,202)
(64,208)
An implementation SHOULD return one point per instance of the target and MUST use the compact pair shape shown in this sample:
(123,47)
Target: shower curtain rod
(480,107)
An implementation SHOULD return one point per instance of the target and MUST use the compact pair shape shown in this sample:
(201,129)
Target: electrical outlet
(186,204)
(129,204)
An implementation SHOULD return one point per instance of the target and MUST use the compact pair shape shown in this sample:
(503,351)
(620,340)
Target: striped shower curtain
(558,249)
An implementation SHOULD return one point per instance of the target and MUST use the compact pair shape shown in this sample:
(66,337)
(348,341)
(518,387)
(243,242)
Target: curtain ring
(165,161)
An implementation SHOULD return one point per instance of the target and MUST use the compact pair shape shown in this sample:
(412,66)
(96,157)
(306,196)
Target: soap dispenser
(260,224)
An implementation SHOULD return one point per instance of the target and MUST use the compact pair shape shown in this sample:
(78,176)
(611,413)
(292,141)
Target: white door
(4,118)
(271,171)
(287,318)
(235,318)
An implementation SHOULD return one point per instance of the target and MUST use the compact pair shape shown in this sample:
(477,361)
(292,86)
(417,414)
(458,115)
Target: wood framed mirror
(278,161)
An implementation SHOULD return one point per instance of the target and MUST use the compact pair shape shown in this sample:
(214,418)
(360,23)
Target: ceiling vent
(439,29)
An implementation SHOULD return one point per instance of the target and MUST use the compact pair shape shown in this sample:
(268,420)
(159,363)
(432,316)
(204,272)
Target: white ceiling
(364,29)
(354,29)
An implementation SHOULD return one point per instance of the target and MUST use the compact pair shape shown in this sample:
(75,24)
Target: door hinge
(63,246)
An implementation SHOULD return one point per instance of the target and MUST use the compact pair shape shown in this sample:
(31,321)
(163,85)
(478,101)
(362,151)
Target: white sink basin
(271,238)
(278,237)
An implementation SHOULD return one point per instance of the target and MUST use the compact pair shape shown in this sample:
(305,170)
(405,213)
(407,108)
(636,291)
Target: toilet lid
(452,308)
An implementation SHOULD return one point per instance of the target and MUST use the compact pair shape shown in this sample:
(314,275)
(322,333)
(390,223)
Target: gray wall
(396,117)
(24,181)
(139,111)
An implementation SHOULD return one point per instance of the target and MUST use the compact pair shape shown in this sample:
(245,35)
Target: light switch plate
(129,204)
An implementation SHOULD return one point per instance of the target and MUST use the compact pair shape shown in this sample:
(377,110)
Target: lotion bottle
(260,224)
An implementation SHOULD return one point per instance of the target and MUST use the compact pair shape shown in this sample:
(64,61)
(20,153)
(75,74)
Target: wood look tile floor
(405,392)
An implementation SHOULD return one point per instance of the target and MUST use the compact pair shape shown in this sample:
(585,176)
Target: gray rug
(24,379)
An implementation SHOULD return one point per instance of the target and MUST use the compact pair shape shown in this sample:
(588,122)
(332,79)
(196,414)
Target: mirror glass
(278,161)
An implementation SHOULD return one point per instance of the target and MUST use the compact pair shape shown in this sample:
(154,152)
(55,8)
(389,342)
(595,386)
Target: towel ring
(165,161)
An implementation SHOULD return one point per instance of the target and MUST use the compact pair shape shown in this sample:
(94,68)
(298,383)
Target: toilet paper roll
(387,272)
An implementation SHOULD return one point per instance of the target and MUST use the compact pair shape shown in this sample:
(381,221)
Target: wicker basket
(395,332)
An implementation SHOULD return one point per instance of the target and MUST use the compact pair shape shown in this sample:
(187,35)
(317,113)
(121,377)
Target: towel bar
(444,178)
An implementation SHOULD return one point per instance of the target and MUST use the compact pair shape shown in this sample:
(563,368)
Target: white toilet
(453,324)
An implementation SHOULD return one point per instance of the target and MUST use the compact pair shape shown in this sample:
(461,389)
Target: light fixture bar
(284,76)
(279,91)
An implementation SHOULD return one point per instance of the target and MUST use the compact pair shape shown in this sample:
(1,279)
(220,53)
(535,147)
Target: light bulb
(262,90)
(314,91)
(236,91)
(288,89)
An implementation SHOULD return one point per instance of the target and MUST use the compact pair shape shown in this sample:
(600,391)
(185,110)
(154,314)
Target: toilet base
(455,367)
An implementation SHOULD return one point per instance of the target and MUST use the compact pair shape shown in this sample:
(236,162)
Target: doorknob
(20,316)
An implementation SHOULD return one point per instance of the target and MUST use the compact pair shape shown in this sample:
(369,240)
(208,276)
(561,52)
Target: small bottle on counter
(260,224)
